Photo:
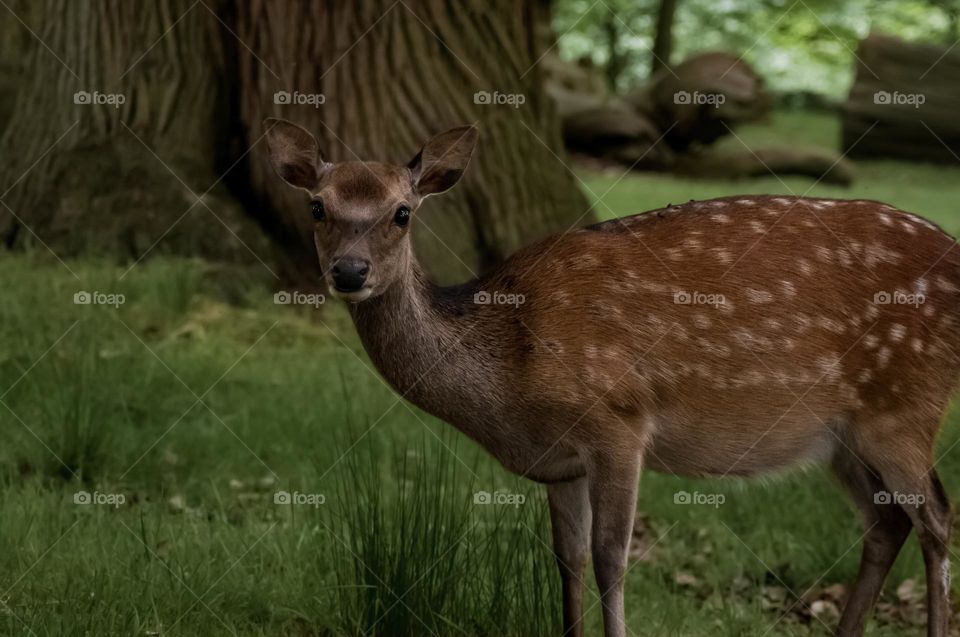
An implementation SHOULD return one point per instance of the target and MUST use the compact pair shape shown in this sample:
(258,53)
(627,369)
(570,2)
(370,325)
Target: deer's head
(362,210)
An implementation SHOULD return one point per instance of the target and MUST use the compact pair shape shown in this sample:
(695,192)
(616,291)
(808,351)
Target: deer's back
(738,313)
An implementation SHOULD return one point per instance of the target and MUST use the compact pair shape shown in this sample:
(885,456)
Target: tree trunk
(187,85)
(127,101)
(391,75)
(663,38)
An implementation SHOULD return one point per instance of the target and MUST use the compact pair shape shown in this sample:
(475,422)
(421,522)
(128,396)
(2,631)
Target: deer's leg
(924,500)
(613,499)
(570,521)
(911,481)
(887,527)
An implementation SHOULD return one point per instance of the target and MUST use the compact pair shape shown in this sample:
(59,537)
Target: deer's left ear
(294,153)
(442,160)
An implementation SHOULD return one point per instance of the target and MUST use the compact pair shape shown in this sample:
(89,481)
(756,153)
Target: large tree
(196,80)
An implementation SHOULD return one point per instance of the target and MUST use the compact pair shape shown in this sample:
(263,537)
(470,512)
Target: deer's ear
(441,161)
(294,153)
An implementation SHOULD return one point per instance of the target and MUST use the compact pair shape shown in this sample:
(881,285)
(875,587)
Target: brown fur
(603,369)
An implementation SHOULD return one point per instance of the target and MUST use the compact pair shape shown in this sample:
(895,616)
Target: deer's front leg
(613,487)
(570,521)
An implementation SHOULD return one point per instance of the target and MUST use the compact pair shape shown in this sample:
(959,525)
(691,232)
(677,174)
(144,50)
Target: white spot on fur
(908,227)
(758,227)
(885,219)
(944,284)
(897,332)
(701,321)
(745,202)
(831,325)
(758,296)
(719,217)
(824,254)
(916,345)
(883,357)
(805,266)
(789,289)
(723,255)
(870,341)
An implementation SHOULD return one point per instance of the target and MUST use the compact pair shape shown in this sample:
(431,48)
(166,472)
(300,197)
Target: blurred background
(193,440)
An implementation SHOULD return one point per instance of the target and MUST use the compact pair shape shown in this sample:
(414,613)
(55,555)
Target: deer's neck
(425,342)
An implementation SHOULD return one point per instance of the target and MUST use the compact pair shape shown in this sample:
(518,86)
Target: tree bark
(663,38)
(83,176)
(391,76)
(195,81)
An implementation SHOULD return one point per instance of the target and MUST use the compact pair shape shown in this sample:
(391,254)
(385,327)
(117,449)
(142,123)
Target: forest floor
(186,460)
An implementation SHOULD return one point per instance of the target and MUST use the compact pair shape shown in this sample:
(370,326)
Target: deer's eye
(316,209)
(402,216)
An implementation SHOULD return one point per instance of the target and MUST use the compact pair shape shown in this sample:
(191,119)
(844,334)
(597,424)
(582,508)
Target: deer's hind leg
(912,485)
(886,528)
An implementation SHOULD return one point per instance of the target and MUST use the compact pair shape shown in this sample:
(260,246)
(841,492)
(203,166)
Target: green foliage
(797,46)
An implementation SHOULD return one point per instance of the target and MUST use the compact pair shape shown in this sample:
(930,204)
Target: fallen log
(903,102)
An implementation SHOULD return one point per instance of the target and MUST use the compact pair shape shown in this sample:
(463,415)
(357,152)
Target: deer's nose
(349,274)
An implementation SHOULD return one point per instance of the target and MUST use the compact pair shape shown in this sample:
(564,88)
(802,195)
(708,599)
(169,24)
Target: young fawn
(735,337)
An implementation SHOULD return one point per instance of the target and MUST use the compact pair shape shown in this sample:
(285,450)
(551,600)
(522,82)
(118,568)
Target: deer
(739,336)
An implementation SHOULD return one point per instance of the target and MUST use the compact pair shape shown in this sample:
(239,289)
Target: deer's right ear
(294,153)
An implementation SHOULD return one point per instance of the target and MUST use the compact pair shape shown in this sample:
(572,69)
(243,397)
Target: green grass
(199,405)
(929,190)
